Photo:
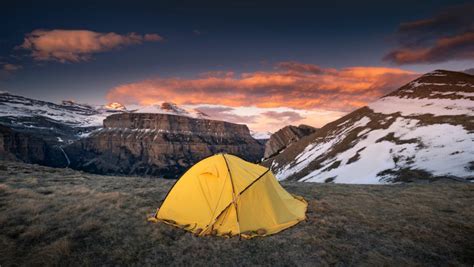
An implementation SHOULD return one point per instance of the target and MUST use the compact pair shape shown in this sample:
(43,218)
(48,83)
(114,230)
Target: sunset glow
(273,68)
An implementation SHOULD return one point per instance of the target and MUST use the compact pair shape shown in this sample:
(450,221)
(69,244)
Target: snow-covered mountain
(68,112)
(16,109)
(424,130)
(22,112)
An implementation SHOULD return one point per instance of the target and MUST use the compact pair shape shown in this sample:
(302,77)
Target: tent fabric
(224,195)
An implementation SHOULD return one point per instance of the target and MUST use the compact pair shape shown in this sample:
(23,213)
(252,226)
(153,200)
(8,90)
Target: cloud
(227,114)
(217,74)
(10,67)
(152,37)
(458,47)
(78,45)
(300,67)
(330,89)
(447,36)
(287,116)
(7,69)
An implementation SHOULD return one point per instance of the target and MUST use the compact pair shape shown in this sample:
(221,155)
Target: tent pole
(234,197)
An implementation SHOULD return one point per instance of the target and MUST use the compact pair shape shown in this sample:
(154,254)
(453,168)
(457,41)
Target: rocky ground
(64,217)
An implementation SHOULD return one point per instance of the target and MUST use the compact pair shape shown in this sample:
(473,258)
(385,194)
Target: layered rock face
(284,137)
(159,144)
(30,148)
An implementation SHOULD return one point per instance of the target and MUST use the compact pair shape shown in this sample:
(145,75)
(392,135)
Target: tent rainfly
(224,195)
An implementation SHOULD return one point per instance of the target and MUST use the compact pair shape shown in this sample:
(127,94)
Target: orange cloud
(78,45)
(300,87)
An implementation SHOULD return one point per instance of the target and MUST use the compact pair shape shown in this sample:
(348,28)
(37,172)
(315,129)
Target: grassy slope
(53,216)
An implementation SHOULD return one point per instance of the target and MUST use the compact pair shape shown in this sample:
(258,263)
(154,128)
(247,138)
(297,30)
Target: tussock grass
(63,217)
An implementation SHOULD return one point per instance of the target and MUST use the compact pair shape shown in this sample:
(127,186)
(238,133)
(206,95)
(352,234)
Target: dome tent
(224,195)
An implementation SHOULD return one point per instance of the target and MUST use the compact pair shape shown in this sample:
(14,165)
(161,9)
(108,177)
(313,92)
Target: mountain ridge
(70,134)
(429,135)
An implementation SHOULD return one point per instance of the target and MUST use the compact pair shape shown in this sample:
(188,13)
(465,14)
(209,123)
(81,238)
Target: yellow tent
(224,195)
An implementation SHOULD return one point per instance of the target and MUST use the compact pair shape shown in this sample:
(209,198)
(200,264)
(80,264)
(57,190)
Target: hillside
(65,217)
(422,131)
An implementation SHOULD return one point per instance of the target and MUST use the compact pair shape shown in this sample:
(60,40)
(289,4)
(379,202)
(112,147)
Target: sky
(266,65)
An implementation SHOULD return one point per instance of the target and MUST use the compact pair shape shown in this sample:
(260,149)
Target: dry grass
(63,217)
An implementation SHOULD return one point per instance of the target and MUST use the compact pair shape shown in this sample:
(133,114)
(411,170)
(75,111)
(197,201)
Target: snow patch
(418,106)
(466,94)
(415,84)
(260,135)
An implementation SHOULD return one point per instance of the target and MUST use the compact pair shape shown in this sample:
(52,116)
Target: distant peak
(170,106)
(74,104)
(115,106)
(68,102)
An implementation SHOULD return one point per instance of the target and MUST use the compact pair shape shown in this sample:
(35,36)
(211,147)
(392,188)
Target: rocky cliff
(284,137)
(159,144)
(31,148)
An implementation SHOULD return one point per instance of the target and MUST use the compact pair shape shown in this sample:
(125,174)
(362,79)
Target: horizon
(192,110)
(262,65)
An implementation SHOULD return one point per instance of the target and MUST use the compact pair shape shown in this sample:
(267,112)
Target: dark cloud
(447,36)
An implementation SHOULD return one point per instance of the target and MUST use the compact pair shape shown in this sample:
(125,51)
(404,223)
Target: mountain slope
(423,130)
